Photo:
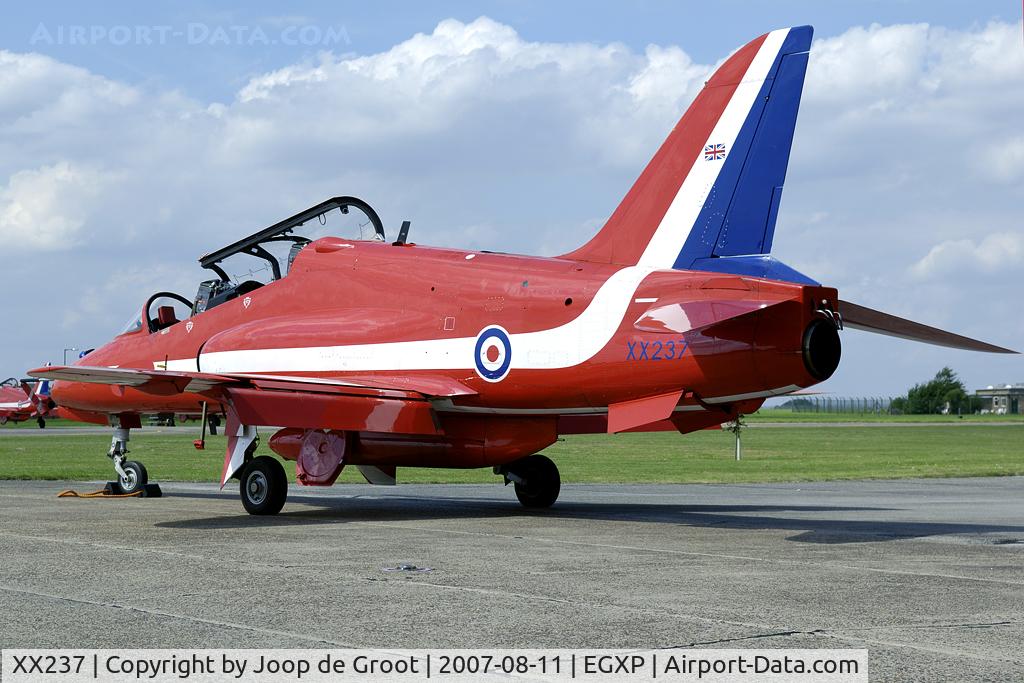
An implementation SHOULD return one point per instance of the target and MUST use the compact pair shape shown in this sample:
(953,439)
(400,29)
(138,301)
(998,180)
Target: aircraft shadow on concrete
(310,510)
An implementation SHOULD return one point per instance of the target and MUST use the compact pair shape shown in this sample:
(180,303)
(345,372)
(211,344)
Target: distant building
(1002,400)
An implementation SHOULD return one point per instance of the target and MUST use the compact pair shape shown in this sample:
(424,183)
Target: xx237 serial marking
(656,350)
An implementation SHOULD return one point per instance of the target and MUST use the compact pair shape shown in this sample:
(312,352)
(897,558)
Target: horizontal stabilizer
(679,317)
(869,320)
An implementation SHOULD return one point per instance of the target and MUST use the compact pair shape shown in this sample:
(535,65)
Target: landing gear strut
(132,475)
(536,480)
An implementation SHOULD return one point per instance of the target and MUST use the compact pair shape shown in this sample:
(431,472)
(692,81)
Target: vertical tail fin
(43,388)
(713,187)
(36,387)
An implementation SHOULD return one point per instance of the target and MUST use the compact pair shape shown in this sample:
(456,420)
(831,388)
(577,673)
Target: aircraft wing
(159,382)
(377,403)
(164,382)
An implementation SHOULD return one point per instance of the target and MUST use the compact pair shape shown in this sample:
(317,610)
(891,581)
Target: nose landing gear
(132,476)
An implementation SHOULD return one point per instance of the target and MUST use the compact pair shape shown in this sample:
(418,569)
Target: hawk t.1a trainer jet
(384,354)
(24,399)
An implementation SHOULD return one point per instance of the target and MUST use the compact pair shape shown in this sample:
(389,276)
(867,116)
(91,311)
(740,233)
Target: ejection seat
(165,317)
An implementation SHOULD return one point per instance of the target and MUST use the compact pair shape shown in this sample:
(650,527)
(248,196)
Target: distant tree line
(945,392)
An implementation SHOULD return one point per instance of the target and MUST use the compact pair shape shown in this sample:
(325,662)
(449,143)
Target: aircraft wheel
(3,419)
(264,486)
(41,422)
(135,476)
(541,483)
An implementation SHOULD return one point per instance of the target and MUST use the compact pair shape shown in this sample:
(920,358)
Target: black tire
(542,482)
(136,476)
(263,486)
(41,422)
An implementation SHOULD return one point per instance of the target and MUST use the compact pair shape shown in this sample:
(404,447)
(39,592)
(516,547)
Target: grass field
(764,415)
(783,415)
(777,454)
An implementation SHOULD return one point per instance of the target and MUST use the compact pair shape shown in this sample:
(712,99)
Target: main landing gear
(263,486)
(131,474)
(536,480)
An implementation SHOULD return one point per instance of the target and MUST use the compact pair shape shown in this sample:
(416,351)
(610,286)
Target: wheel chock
(113,488)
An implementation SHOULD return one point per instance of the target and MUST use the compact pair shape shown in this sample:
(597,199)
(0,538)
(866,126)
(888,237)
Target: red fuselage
(15,405)
(582,337)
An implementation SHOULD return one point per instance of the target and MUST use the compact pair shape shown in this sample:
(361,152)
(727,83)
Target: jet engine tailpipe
(821,349)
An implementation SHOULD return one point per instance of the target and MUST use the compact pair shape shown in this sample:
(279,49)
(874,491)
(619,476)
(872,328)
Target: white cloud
(37,88)
(908,143)
(1003,160)
(998,252)
(46,208)
(866,66)
(91,303)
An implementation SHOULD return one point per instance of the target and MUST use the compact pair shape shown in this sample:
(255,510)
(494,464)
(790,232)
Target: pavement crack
(982,624)
(755,636)
(580,603)
(688,553)
(910,627)
(182,617)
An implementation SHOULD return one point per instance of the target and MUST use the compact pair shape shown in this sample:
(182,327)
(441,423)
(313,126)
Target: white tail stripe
(679,220)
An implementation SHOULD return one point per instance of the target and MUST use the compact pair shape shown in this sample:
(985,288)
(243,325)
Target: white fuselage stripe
(559,347)
(564,346)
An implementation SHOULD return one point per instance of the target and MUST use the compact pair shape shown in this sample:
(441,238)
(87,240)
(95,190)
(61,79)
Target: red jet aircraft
(387,354)
(21,400)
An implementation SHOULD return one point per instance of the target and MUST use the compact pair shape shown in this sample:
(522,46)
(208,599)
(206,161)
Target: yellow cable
(102,493)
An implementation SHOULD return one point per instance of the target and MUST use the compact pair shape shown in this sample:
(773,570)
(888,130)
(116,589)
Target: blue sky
(121,161)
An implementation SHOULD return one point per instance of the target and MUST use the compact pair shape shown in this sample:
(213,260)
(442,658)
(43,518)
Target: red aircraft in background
(24,399)
(385,354)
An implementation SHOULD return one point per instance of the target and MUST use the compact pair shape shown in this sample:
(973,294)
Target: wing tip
(40,373)
(867,319)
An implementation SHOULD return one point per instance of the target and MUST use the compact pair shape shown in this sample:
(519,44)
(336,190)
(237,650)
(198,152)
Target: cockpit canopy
(261,258)
(275,248)
(293,233)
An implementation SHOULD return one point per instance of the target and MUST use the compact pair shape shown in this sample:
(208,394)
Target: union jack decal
(714,152)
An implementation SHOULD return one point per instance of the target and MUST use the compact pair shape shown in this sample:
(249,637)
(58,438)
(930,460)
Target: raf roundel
(493,353)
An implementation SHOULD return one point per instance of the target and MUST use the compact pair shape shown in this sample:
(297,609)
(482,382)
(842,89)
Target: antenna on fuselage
(403,234)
